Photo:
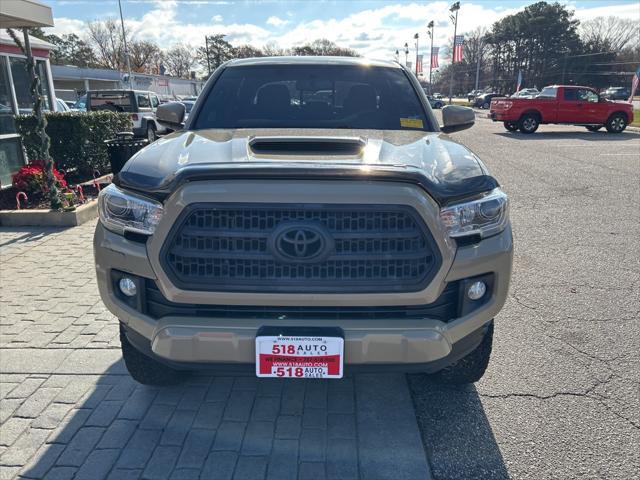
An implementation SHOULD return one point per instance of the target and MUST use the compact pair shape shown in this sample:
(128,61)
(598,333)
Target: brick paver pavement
(69,410)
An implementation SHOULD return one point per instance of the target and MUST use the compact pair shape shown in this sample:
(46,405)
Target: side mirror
(171,115)
(456,118)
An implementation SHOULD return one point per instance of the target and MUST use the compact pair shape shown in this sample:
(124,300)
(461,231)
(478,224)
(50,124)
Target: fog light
(128,287)
(475,292)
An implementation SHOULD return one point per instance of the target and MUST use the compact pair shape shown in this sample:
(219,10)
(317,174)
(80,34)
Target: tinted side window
(548,92)
(571,94)
(154,101)
(585,95)
(143,100)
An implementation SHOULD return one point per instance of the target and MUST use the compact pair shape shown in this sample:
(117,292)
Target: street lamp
(397,56)
(454,10)
(406,53)
(416,36)
(430,32)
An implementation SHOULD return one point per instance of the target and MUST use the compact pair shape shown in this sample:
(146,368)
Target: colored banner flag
(419,64)
(634,84)
(458,46)
(519,84)
(434,57)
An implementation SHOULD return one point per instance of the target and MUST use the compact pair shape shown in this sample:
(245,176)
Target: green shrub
(77,138)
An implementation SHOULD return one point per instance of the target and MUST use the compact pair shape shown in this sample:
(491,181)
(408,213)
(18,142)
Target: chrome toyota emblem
(299,242)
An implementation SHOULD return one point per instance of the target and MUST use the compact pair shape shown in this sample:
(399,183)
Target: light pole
(430,32)
(397,55)
(124,39)
(416,36)
(406,54)
(478,65)
(454,8)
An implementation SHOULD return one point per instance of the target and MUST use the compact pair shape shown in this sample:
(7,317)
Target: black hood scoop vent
(312,146)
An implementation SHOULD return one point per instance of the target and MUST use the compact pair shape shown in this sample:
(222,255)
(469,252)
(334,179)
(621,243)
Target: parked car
(484,100)
(438,96)
(473,94)
(254,240)
(188,105)
(526,93)
(617,93)
(81,104)
(567,104)
(61,106)
(435,103)
(140,104)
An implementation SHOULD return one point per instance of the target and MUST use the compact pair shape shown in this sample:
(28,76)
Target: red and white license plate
(299,357)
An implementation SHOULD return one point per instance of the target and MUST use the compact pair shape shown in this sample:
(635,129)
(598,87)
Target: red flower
(31,179)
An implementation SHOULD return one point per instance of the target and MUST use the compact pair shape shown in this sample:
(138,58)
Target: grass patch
(636,118)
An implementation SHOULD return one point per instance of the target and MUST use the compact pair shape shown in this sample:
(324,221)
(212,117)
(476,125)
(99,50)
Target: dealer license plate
(294,356)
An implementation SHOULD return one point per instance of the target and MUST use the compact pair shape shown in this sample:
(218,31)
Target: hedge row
(77,138)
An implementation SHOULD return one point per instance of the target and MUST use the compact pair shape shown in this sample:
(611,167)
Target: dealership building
(70,82)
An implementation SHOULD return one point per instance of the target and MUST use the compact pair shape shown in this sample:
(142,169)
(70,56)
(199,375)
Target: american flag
(434,57)
(458,45)
(634,84)
(419,64)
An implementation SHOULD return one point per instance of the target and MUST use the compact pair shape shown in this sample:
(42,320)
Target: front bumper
(424,344)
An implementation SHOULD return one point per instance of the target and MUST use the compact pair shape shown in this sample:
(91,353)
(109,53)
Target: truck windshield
(313,96)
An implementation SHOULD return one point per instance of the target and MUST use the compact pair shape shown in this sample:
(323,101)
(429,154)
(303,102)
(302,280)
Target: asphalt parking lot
(560,398)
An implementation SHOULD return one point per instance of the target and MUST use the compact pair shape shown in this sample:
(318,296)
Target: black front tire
(151,133)
(144,369)
(593,128)
(511,126)
(486,105)
(528,123)
(471,368)
(616,123)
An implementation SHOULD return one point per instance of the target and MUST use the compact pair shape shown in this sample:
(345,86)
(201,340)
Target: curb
(50,218)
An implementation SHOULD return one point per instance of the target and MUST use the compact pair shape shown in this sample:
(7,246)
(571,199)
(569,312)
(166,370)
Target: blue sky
(374,27)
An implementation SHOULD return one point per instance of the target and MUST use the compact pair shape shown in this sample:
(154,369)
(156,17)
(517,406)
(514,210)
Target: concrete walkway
(69,410)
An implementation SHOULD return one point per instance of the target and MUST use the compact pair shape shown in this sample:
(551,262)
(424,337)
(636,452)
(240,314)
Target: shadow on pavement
(107,426)
(25,234)
(589,136)
(455,431)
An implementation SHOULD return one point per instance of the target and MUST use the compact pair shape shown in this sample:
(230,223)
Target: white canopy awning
(24,13)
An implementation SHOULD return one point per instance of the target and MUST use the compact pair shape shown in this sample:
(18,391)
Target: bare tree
(247,51)
(144,55)
(612,33)
(324,47)
(272,49)
(105,37)
(179,60)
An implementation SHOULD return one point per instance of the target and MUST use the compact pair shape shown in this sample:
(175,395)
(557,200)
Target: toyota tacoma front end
(310,219)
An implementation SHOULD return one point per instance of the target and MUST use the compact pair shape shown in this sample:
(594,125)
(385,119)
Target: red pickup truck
(567,104)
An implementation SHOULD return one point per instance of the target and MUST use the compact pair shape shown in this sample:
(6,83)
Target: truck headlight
(122,211)
(485,216)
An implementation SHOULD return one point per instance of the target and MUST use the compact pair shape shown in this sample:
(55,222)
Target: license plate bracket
(300,352)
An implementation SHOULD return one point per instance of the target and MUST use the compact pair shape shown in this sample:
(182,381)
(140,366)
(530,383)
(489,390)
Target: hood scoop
(312,146)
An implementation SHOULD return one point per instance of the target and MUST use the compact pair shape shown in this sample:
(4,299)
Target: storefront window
(22,84)
(7,125)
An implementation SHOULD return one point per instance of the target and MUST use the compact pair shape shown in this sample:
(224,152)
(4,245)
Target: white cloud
(375,32)
(276,21)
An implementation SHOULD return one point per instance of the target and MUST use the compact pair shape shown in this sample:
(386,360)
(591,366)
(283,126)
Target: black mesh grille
(369,248)
(445,309)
